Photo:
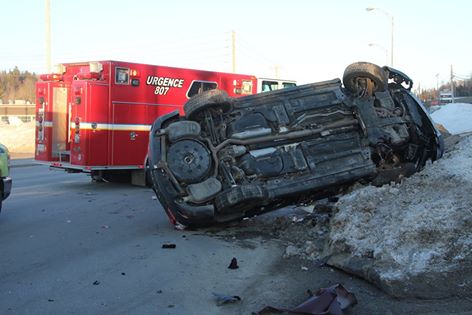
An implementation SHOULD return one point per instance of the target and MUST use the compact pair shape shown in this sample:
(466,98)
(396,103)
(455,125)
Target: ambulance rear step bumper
(71,168)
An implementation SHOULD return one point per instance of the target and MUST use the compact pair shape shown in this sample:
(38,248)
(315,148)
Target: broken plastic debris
(179,227)
(169,246)
(224,299)
(233,264)
(332,300)
(297,220)
(304,268)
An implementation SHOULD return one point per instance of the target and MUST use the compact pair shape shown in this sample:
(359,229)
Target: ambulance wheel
(147,174)
(363,78)
(207,99)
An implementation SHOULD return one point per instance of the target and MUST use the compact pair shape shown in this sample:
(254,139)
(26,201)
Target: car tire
(204,100)
(358,72)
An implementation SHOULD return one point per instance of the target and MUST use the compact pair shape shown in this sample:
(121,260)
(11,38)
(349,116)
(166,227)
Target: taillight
(77,124)
(40,116)
(77,130)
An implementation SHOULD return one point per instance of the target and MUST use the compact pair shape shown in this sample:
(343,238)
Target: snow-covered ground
(455,117)
(18,136)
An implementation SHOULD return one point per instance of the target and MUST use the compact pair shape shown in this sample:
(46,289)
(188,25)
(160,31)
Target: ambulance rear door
(90,123)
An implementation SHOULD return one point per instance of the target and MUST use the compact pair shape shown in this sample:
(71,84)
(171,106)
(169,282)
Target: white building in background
(17,110)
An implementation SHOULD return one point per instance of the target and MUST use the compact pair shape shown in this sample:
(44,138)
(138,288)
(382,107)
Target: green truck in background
(5,183)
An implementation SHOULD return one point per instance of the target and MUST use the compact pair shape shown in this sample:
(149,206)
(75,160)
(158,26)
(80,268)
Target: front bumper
(7,183)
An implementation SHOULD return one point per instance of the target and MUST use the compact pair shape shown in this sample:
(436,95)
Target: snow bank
(413,238)
(455,117)
(18,137)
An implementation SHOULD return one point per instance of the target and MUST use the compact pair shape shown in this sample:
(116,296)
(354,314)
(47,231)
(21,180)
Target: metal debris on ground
(233,264)
(169,246)
(224,299)
(330,301)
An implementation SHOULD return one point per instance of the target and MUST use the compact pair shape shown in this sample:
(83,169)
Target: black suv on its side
(229,158)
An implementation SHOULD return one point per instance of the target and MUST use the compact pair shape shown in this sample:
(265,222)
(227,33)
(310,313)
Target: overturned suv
(230,158)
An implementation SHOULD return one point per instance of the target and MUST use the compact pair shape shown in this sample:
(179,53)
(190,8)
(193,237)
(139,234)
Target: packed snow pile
(413,238)
(18,137)
(455,117)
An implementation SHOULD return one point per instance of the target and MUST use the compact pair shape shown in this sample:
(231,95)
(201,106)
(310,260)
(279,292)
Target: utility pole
(48,34)
(391,42)
(437,86)
(452,85)
(276,68)
(233,49)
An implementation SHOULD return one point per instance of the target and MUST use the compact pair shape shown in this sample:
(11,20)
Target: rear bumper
(87,169)
(7,183)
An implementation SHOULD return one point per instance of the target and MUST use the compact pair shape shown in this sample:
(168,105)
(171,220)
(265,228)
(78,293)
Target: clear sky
(306,40)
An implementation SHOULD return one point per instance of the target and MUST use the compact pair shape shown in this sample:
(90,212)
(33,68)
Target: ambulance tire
(211,98)
(356,72)
(147,174)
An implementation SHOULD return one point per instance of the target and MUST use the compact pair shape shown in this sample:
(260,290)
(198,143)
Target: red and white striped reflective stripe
(45,123)
(113,127)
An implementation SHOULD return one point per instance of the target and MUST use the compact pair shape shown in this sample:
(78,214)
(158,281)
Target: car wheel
(189,160)
(204,100)
(364,79)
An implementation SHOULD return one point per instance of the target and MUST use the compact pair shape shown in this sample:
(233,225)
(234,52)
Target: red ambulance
(94,117)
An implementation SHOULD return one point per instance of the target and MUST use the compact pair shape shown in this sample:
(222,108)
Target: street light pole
(383,48)
(391,29)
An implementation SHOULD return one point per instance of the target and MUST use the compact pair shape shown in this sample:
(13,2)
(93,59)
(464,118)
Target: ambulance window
(121,75)
(200,86)
(269,86)
(247,87)
(288,84)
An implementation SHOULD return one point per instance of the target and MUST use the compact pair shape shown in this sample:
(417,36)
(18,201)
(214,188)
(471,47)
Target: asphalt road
(70,246)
